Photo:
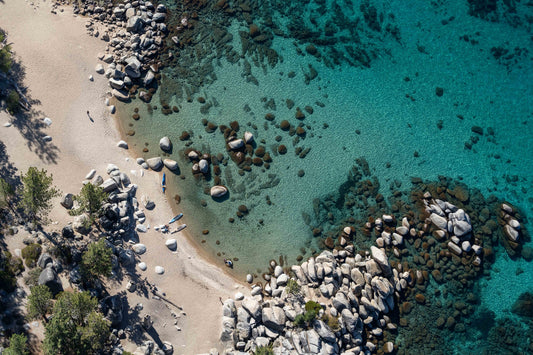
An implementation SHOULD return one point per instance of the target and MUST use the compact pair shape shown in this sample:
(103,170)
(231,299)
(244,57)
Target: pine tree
(17,345)
(90,200)
(39,302)
(96,261)
(37,194)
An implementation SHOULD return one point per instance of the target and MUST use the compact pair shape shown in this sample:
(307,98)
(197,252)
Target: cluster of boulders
(355,292)
(134,31)
(157,163)
(511,228)
(454,223)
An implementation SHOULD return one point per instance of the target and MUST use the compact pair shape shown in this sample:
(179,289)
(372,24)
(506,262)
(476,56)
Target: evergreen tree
(96,261)
(76,327)
(39,302)
(37,193)
(90,199)
(6,194)
(17,345)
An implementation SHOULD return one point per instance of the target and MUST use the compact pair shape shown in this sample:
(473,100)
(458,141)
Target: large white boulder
(165,144)
(155,163)
(218,191)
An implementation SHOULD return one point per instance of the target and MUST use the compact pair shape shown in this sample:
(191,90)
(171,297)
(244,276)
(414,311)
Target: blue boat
(175,218)
(164,182)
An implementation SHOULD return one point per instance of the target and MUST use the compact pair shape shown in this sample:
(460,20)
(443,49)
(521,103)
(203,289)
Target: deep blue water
(417,89)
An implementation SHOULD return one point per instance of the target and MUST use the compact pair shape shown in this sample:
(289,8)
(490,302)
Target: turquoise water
(422,76)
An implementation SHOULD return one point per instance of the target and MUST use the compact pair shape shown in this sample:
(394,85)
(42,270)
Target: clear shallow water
(388,113)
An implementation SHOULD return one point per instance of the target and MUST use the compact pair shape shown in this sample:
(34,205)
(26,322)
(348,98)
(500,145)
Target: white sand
(58,56)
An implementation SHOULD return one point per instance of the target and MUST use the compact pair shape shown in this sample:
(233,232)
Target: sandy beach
(58,56)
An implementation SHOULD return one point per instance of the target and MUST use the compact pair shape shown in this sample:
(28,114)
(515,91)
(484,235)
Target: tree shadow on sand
(29,120)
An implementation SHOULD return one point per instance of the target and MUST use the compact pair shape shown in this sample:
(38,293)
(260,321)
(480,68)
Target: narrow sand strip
(58,56)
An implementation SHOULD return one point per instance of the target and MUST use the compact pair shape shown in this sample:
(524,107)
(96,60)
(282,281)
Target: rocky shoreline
(360,294)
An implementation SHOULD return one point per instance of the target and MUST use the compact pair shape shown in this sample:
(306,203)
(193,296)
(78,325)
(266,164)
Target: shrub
(32,278)
(9,268)
(332,322)
(313,306)
(17,345)
(12,102)
(293,287)
(264,350)
(31,254)
(305,319)
(5,59)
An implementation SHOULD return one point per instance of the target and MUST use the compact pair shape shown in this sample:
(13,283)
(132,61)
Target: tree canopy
(39,302)
(37,193)
(90,200)
(96,261)
(17,345)
(76,327)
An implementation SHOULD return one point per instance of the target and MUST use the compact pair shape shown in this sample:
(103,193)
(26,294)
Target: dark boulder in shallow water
(524,305)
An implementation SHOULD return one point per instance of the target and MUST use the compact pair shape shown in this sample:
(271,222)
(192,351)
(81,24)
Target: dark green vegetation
(96,261)
(17,345)
(90,200)
(37,194)
(39,302)
(31,253)
(76,326)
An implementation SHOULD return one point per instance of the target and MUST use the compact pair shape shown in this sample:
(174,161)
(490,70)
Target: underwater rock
(236,144)
(524,305)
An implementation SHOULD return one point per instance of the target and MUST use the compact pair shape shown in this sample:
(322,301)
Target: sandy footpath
(58,56)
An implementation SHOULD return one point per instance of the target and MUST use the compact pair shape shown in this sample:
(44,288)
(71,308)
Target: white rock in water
(387,218)
(381,258)
(439,221)
(171,244)
(170,164)
(454,248)
(99,69)
(347,230)
(388,347)
(47,121)
(249,278)
(204,166)
(278,270)
(90,175)
(511,232)
(466,246)
(142,266)
(218,191)
(248,137)
(193,155)
(402,230)
(139,248)
(159,270)
(164,144)
(514,223)
(122,144)
(236,144)
(507,208)
(91,78)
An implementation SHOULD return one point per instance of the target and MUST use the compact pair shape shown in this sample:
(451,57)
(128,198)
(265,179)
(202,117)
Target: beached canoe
(179,228)
(164,182)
